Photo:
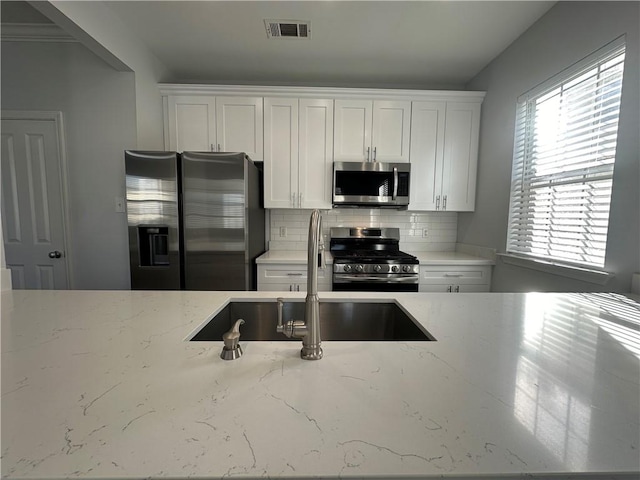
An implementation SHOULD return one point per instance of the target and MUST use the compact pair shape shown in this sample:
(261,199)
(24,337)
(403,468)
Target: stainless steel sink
(347,321)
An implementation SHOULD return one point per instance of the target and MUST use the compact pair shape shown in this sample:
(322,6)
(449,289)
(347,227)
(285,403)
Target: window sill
(577,273)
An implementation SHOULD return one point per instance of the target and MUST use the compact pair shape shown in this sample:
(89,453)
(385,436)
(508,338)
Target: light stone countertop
(101,384)
(294,257)
(450,258)
(299,257)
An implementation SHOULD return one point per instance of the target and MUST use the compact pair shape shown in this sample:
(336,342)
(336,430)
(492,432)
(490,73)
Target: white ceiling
(414,44)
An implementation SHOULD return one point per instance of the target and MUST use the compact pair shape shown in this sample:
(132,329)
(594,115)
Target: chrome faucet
(309,328)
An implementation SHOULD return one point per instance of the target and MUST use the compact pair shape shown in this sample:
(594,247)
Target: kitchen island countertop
(102,384)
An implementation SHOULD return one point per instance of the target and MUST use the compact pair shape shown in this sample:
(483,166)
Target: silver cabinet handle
(449,289)
(444,202)
(293,199)
(219,147)
(368,153)
(453,275)
(212,149)
(291,274)
(291,288)
(438,202)
(457,288)
(375,153)
(300,200)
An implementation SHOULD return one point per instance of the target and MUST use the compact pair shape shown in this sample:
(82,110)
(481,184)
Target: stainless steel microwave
(371,184)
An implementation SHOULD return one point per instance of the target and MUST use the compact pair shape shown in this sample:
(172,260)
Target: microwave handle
(395,183)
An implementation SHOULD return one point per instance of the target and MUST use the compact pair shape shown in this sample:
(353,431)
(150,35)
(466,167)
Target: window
(564,153)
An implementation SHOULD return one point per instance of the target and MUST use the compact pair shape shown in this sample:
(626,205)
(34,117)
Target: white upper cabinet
(367,131)
(239,125)
(427,148)
(298,141)
(281,152)
(460,164)
(444,155)
(300,131)
(192,123)
(315,153)
(216,124)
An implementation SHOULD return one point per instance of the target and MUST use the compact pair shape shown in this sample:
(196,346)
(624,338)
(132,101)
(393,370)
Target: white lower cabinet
(290,278)
(455,279)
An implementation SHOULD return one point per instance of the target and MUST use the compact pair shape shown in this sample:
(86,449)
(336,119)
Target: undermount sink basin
(347,321)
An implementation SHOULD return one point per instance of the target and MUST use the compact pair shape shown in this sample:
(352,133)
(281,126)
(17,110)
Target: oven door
(374,283)
(372,184)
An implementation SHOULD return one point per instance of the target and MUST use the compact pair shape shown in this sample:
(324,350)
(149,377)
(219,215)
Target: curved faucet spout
(311,349)
(309,329)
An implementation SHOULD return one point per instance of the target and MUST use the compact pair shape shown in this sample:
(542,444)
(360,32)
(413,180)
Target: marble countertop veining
(102,384)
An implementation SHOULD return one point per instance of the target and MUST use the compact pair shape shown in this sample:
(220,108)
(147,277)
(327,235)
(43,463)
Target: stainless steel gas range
(369,259)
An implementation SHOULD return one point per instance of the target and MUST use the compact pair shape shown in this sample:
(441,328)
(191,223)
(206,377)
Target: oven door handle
(374,279)
(395,183)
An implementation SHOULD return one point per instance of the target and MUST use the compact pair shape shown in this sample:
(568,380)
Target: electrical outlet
(425,232)
(283,232)
(119,204)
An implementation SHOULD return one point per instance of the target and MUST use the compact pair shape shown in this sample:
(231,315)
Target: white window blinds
(564,152)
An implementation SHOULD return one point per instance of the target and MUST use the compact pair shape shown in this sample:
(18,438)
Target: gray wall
(567,33)
(98,105)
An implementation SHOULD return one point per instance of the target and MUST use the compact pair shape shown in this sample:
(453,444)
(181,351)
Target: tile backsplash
(419,231)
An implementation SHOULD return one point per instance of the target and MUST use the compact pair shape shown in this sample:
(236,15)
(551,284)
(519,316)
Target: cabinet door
(455,275)
(427,147)
(390,131)
(315,153)
(462,127)
(352,132)
(239,126)
(192,123)
(281,153)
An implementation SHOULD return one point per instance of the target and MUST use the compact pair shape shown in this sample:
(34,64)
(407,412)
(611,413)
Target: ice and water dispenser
(153,246)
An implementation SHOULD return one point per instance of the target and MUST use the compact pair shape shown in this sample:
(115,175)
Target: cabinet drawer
(455,275)
(286,278)
(454,288)
(290,273)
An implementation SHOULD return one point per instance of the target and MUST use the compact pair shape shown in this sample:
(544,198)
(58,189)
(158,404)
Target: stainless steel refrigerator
(195,220)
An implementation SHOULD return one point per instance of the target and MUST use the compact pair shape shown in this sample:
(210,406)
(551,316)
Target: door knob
(55,254)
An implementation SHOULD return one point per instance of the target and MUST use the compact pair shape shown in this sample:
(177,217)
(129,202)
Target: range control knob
(347,268)
(359,268)
(377,268)
(406,268)
(395,268)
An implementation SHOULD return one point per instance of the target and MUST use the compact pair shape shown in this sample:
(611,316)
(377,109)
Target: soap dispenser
(232,349)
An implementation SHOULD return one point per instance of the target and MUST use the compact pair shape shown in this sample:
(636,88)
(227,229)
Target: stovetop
(373,256)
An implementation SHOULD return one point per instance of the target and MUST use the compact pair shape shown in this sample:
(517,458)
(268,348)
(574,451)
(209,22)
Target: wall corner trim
(34,32)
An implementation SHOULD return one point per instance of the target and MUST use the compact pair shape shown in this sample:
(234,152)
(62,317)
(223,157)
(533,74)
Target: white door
(281,153)
(427,147)
(390,131)
(353,130)
(460,156)
(32,204)
(192,123)
(239,125)
(316,153)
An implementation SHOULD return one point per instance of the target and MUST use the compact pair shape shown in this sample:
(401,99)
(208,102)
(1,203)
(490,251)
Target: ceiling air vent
(288,29)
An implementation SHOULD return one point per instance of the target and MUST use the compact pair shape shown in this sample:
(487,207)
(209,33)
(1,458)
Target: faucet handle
(231,349)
